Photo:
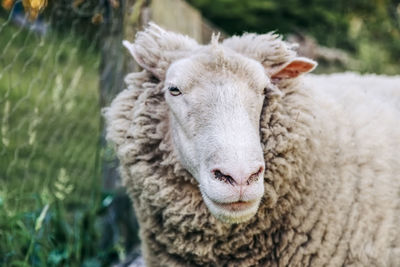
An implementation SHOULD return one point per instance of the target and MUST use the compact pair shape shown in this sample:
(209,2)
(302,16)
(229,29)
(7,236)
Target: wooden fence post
(119,222)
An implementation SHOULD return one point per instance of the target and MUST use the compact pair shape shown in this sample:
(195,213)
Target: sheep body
(332,179)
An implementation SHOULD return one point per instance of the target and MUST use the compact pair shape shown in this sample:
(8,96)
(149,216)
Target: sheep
(234,156)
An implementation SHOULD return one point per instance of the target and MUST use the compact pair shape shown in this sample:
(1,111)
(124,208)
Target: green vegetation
(368,30)
(50,193)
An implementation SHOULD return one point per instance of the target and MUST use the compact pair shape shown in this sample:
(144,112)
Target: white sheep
(232,158)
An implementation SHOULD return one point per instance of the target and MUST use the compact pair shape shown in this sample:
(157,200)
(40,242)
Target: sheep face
(215,97)
(215,100)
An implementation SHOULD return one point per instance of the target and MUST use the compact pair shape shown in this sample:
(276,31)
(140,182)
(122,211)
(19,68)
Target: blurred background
(61,61)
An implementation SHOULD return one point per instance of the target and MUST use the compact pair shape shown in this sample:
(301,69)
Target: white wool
(330,145)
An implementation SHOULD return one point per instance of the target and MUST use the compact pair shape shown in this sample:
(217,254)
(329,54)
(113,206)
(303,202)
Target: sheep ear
(293,68)
(277,56)
(154,49)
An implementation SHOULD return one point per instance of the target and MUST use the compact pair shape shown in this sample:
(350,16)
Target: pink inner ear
(294,69)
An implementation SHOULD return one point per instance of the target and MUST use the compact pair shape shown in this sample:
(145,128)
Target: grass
(50,195)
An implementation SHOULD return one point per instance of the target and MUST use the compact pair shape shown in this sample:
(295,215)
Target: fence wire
(50,127)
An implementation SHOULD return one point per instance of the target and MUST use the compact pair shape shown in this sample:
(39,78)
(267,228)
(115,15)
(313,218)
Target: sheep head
(215,94)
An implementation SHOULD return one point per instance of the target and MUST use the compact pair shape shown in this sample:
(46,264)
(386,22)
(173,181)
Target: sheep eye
(174,91)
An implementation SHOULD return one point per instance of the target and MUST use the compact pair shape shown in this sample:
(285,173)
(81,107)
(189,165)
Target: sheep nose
(238,177)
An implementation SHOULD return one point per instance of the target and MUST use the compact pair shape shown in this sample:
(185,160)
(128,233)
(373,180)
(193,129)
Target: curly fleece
(332,179)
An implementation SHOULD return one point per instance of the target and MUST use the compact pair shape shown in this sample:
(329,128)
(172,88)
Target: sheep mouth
(235,206)
(232,212)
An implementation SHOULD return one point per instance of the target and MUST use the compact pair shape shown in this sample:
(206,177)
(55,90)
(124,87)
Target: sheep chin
(230,216)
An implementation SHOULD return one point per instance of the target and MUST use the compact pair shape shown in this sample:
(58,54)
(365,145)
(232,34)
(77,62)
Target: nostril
(241,177)
(255,176)
(223,177)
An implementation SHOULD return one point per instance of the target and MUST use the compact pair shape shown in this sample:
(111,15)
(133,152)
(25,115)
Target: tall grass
(50,192)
